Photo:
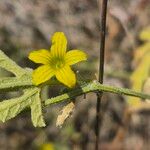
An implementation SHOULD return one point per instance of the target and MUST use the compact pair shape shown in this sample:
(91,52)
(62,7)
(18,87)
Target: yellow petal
(42,74)
(59,45)
(40,56)
(66,76)
(75,56)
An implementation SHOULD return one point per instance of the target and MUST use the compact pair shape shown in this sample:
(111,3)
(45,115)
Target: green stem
(14,83)
(93,87)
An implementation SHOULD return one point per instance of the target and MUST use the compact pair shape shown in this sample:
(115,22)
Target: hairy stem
(13,83)
(94,87)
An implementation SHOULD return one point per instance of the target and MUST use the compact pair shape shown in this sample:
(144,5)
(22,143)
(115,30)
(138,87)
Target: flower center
(58,63)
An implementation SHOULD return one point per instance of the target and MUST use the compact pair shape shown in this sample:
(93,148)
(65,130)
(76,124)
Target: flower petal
(40,56)
(75,56)
(42,74)
(66,76)
(59,45)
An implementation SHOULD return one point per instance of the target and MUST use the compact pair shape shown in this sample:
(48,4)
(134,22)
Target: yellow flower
(56,62)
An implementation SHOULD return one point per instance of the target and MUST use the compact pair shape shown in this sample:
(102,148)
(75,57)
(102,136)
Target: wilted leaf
(141,51)
(47,146)
(141,73)
(145,34)
(146,88)
(66,112)
(138,77)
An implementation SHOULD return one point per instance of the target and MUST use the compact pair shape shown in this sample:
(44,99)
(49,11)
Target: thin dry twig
(101,69)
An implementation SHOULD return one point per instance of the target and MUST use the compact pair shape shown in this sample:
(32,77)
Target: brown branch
(101,69)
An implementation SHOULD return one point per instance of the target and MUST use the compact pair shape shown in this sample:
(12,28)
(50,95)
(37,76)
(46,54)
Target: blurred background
(27,25)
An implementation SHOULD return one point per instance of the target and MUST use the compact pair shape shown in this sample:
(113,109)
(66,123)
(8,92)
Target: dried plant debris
(66,113)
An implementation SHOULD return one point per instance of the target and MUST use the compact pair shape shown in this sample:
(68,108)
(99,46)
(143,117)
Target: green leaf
(36,111)
(13,83)
(9,65)
(31,97)
(12,107)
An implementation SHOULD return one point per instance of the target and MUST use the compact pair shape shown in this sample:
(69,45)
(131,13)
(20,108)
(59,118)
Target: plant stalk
(101,69)
(95,86)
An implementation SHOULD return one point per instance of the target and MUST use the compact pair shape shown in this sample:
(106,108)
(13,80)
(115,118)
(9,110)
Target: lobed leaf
(13,83)
(9,65)
(31,97)
(12,107)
